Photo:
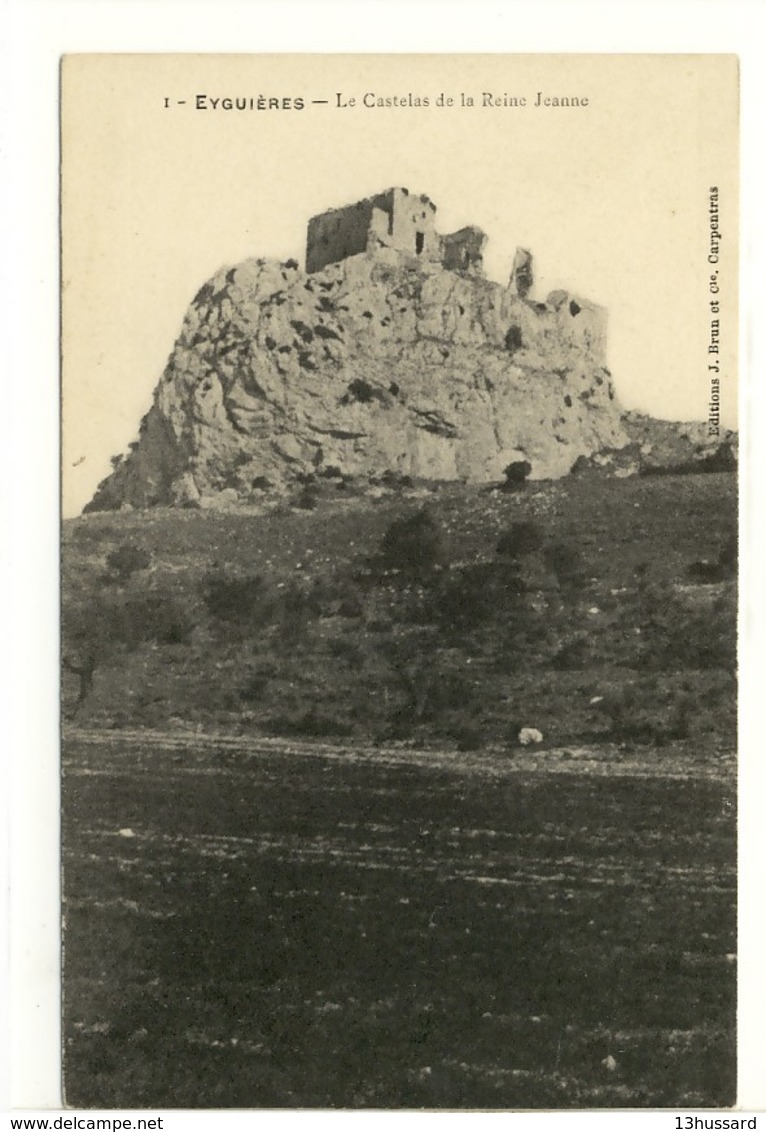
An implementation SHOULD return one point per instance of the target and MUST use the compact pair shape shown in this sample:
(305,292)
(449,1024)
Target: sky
(611,197)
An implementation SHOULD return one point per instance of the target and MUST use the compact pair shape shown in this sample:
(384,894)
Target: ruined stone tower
(396,219)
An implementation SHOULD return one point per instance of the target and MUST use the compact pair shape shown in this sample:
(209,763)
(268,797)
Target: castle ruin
(395,219)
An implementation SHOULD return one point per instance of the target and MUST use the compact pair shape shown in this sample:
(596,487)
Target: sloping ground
(633,640)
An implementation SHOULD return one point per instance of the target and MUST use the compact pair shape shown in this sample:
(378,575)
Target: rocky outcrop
(659,447)
(381,362)
(681,446)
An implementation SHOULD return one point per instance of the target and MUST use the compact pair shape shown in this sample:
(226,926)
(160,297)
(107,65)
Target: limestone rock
(382,362)
(184,492)
(681,446)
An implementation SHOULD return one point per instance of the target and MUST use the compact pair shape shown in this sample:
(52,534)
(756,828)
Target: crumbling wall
(413,229)
(464,250)
(395,218)
(338,234)
(522,273)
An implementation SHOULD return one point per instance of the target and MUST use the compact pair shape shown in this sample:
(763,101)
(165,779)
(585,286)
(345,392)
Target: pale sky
(612,200)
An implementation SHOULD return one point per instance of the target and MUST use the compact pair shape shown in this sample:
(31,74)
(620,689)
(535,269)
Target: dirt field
(262,924)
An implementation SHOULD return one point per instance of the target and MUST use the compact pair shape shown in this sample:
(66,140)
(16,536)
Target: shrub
(678,639)
(565,562)
(628,717)
(476,594)
(641,714)
(413,545)
(310,725)
(706,572)
(254,689)
(157,617)
(390,478)
(513,339)
(728,557)
(520,538)
(126,560)
(308,498)
(420,680)
(516,474)
(361,391)
(247,602)
(723,569)
(341,648)
(468,737)
(297,607)
(571,654)
(351,606)
(107,625)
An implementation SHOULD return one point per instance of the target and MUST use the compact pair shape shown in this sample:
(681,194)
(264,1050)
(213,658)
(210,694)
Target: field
(259,924)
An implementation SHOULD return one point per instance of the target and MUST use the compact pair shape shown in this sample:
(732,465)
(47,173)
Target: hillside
(590,609)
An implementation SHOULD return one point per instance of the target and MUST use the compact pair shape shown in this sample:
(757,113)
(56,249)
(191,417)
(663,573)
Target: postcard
(399,581)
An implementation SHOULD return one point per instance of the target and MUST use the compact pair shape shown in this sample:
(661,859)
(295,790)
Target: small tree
(97,631)
(91,632)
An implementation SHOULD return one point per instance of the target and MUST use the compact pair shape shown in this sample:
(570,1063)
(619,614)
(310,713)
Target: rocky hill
(380,362)
(657,447)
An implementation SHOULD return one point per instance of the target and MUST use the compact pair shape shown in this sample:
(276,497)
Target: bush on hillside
(728,558)
(413,545)
(516,474)
(524,537)
(297,607)
(571,654)
(640,713)
(566,563)
(476,594)
(247,602)
(467,736)
(678,638)
(157,617)
(307,498)
(309,725)
(254,688)
(125,560)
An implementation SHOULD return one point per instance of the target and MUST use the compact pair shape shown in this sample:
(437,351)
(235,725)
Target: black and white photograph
(399,570)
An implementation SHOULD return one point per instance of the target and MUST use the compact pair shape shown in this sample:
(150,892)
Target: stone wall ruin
(395,219)
(464,250)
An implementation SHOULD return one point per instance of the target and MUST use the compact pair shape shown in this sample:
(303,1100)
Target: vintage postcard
(399,581)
